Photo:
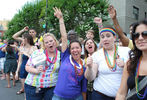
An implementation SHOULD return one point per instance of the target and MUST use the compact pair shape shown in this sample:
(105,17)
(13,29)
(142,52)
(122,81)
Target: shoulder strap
(142,84)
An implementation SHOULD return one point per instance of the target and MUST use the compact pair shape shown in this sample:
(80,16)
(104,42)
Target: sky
(8,8)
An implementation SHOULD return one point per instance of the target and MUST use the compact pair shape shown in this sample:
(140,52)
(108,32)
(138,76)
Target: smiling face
(89,35)
(107,40)
(141,41)
(90,46)
(75,50)
(49,43)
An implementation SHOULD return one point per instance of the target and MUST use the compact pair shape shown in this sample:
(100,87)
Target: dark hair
(133,24)
(33,29)
(135,53)
(9,49)
(85,51)
(29,38)
(77,41)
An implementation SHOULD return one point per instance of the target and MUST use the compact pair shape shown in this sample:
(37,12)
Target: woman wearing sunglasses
(135,72)
(105,66)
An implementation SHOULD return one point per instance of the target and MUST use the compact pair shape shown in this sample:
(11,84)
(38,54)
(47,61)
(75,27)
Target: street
(10,93)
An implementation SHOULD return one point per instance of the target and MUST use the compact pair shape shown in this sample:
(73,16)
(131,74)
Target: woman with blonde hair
(42,67)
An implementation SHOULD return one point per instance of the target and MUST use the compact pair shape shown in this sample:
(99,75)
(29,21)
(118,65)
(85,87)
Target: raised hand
(112,12)
(26,28)
(57,13)
(89,61)
(98,20)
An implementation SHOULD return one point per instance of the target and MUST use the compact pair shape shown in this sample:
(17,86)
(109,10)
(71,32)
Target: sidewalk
(10,93)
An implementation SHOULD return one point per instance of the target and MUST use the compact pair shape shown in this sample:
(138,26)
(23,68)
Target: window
(135,12)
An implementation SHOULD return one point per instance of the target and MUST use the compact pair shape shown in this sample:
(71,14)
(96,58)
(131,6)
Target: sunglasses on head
(136,35)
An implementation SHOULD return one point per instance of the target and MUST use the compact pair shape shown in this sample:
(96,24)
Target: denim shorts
(43,93)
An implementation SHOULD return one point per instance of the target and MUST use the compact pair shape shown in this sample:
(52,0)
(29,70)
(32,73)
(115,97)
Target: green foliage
(27,16)
(78,15)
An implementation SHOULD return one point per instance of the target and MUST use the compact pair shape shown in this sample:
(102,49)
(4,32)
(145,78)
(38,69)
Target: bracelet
(100,26)
(62,23)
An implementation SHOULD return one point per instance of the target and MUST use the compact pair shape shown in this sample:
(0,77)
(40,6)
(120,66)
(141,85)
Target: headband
(107,30)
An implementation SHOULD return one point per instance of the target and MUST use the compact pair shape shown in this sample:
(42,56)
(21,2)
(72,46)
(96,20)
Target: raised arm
(58,14)
(124,39)
(16,35)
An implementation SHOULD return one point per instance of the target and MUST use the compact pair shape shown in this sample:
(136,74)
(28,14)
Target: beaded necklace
(137,83)
(54,58)
(114,66)
(78,73)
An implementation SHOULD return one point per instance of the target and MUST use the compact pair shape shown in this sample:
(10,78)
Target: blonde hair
(53,36)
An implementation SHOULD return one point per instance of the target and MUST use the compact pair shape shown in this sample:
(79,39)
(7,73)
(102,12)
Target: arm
(91,69)
(4,49)
(59,15)
(91,72)
(33,70)
(123,90)
(84,95)
(16,35)
(18,66)
(124,39)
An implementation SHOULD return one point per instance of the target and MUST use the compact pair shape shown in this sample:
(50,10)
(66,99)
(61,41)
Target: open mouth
(90,47)
(50,46)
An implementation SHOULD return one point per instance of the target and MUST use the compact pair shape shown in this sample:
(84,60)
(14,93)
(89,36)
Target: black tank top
(131,85)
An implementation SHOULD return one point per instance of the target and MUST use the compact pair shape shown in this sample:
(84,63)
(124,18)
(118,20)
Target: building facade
(3,27)
(129,11)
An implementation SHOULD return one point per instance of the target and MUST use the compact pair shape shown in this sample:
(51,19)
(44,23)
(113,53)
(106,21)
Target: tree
(27,16)
(78,15)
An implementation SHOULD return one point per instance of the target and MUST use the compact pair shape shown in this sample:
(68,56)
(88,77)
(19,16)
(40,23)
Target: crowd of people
(77,69)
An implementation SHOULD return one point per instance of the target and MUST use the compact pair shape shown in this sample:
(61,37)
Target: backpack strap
(142,84)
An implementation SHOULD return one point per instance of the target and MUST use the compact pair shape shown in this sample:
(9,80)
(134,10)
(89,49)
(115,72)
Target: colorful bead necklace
(114,66)
(78,73)
(54,59)
(137,83)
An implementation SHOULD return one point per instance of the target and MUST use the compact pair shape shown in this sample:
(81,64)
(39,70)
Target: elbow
(13,37)
(88,77)
(27,68)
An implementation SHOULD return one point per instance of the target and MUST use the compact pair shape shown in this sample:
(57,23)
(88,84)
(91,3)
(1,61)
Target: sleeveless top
(131,85)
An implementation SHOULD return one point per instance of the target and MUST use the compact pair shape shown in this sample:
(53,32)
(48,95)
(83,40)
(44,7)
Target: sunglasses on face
(143,34)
